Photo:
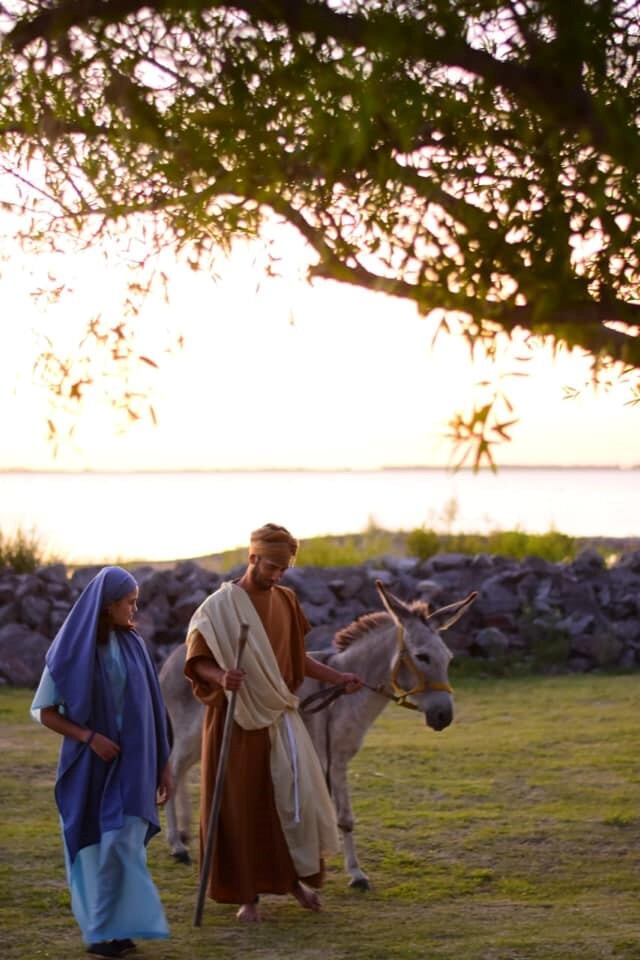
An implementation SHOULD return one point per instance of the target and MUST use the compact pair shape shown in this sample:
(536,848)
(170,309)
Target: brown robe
(251,855)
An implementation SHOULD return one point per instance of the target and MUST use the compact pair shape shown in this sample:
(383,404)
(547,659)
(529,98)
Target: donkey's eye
(424,657)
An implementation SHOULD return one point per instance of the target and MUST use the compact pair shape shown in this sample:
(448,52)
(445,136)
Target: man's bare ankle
(249,913)
(307,897)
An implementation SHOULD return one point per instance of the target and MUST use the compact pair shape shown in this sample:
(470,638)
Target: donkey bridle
(403,657)
(323,698)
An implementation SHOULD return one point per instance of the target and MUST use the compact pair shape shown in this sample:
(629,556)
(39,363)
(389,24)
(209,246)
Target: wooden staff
(214,813)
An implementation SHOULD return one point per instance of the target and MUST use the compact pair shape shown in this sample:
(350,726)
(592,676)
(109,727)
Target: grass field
(514,835)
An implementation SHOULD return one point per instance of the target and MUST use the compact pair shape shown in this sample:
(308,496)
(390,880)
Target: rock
(29,585)
(602,649)
(588,563)
(349,587)
(185,607)
(576,624)
(159,609)
(429,591)
(386,577)
(34,612)
(58,590)
(22,654)
(54,573)
(57,616)
(139,573)
(9,613)
(631,562)
(400,565)
(489,642)
(186,568)
(146,627)
(81,577)
(7,589)
(627,631)
(150,587)
(629,659)
(625,606)
(309,585)
(449,561)
(495,599)
(317,614)
(320,638)
(481,562)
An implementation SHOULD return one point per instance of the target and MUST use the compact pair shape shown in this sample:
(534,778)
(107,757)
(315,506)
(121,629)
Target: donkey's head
(420,669)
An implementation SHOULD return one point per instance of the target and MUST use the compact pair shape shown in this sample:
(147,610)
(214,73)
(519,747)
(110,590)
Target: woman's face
(121,612)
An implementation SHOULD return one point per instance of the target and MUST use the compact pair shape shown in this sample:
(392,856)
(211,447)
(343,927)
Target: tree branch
(580,324)
(542,84)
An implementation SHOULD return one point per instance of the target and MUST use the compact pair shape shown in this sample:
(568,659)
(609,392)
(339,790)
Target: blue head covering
(70,657)
(94,796)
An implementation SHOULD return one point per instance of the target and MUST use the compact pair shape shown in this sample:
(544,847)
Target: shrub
(423,543)
(21,551)
(345,551)
(552,546)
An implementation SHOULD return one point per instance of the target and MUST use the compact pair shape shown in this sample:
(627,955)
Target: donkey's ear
(445,617)
(393,605)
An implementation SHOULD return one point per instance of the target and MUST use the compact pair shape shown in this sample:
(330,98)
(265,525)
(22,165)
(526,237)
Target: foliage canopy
(474,156)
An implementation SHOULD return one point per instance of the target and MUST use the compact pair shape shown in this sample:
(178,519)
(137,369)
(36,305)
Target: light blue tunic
(112,894)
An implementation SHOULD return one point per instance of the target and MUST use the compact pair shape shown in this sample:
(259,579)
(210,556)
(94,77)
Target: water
(97,517)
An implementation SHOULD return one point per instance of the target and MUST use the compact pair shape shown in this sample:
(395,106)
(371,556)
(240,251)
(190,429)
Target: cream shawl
(302,800)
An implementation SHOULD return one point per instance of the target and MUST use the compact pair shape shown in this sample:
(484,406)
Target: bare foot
(249,913)
(307,898)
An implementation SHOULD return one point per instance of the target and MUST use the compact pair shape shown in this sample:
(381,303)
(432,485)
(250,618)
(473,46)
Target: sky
(275,372)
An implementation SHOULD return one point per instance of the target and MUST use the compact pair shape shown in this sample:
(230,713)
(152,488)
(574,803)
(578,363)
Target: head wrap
(274,543)
(71,655)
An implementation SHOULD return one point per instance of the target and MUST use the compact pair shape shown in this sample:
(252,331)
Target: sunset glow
(276,372)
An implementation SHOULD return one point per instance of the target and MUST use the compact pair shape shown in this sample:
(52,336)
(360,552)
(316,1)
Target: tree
(479,157)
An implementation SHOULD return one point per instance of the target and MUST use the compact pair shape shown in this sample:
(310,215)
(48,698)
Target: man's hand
(352,681)
(232,679)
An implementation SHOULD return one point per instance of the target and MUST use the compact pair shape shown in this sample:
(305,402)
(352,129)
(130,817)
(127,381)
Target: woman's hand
(106,749)
(165,787)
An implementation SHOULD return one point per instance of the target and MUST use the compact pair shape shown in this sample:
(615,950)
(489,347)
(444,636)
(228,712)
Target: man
(277,822)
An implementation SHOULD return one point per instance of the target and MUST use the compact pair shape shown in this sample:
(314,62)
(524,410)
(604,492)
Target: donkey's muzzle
(439,716)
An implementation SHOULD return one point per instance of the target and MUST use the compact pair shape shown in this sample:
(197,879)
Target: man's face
(264,573)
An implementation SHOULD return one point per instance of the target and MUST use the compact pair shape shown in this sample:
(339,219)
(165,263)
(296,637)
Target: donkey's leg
(342,801)
(183,757)
(178,849)
(177,838)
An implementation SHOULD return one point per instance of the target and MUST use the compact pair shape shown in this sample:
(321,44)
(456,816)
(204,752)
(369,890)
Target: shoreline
(383,468)
(219,562)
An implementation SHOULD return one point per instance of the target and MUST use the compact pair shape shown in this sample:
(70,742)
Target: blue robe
(108,810)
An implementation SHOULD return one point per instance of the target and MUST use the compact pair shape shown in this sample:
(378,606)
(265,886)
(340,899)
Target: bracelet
(90,737)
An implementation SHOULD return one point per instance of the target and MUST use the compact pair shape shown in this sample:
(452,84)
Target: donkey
(402,658)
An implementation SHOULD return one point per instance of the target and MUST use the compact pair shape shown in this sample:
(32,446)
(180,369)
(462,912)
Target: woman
(99,690)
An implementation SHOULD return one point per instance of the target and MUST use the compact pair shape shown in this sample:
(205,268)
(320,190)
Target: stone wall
(575,616)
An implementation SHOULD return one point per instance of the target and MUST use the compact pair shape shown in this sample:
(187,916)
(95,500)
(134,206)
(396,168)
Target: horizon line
(384,468)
